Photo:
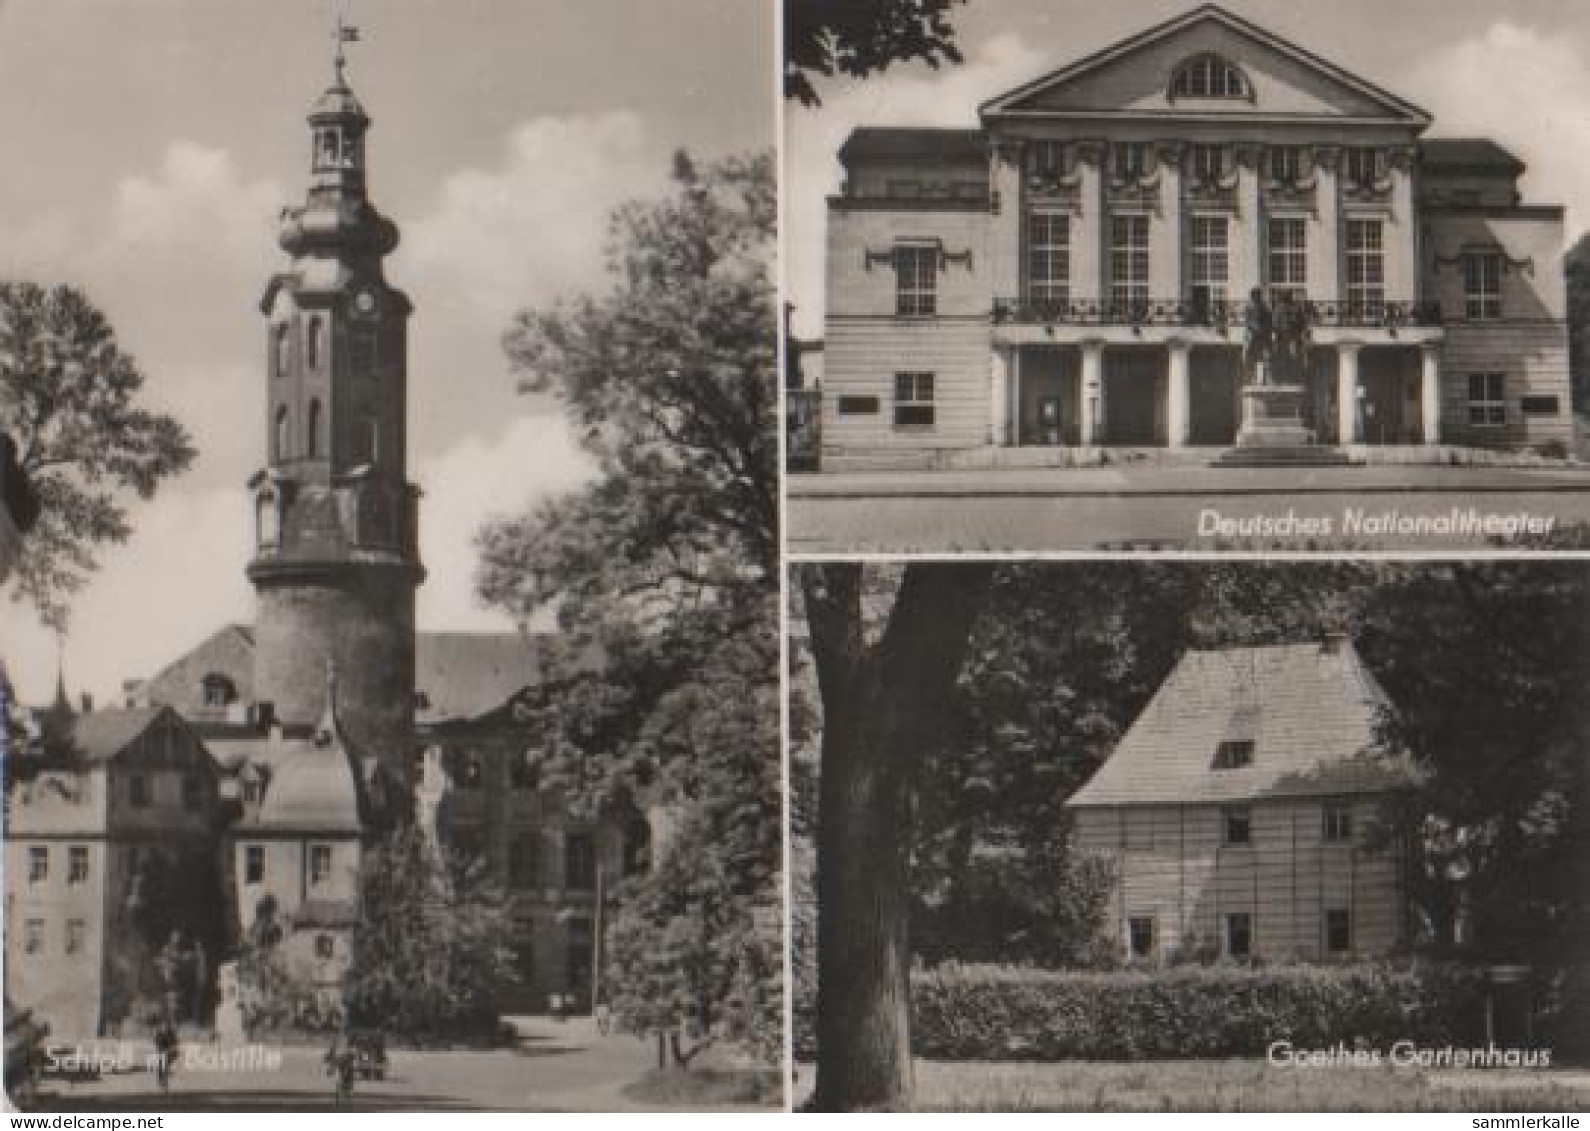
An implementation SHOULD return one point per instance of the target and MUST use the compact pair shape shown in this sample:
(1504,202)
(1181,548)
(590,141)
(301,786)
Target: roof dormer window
(1209,76)
(1234,753)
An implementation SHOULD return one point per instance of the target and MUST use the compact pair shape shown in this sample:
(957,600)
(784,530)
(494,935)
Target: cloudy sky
(1518,70)
(150,145)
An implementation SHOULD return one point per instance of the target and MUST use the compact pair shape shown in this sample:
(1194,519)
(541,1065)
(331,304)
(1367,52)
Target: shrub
(1014,1013)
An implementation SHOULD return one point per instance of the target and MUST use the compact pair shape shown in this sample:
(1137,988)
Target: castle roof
(1468,155)
(887,143)
(1310,711)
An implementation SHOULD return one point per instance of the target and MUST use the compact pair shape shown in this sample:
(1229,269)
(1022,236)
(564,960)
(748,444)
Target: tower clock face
(364,301)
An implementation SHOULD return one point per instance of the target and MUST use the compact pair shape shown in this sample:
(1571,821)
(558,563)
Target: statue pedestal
(1273,433)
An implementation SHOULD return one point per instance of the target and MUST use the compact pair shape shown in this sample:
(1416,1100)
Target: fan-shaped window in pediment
(1209,76)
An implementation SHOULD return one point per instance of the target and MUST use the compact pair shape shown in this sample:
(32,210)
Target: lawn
(1232,1085)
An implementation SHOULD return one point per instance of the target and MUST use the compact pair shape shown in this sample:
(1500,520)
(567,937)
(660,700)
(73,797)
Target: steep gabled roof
(1310,710)
(101,736)
(465,674)
(1389,105)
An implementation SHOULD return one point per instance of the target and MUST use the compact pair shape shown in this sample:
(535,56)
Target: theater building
(1076,273)
(1239,812)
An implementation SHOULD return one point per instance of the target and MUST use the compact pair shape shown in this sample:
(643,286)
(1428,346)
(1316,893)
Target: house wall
(1171,865)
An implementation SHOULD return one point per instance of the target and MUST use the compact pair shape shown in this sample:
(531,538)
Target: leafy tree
(69,398)
(434,939)
(857,38)
(663,575)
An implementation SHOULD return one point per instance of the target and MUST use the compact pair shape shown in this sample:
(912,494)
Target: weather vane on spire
(344,33)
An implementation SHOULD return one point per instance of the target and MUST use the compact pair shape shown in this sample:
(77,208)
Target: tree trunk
(882,707)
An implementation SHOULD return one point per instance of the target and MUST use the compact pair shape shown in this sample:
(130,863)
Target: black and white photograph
(1149,836)
(390,691)
(1170,276)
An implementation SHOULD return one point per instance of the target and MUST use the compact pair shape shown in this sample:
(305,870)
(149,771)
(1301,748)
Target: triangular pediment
(1134,78)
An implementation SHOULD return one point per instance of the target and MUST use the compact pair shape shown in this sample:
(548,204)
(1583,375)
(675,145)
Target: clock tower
(336,559)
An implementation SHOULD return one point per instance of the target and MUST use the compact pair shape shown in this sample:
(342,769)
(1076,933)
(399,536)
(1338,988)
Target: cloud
(478,480)
(178,579)
(1541,111)
(910,97)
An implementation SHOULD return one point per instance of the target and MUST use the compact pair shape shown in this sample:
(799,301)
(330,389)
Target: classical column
(998,408)
(1092,391)
(1347,393)
(1430,394)
(1177,404)
(1015,398)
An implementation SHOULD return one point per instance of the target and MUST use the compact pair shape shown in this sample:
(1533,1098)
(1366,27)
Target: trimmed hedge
(1014,1013)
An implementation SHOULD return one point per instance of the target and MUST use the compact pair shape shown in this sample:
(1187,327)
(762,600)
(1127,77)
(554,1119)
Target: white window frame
(1129,262)
(1234,753)
(76,936)
(914,404)
(77,864)
(1131,940)
(1482,286)
(38,863)
(1366,267)
(1363,165)
(1209,259)
(1207,163)
(1129,160)
(319,851)
(1487,399)
(1284,164)
(252,854)
(1287,259)
(916,280)
(1336,824)
(1049,256)
(1231,918)
(1236,813)
(33,936)
(1325,930)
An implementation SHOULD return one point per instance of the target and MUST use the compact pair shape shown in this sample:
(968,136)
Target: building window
(524,860)
(913,400)
(1338,931)
(313,438)
(1049,257)
(282,349)
(916,280)
(366,440)
(1363,166)
(76,934)
(1208,76)
(1046,158)
(192,791)
(325,947)
(579,861)
(1239,934)
(268,519)
(1482,285)
(254,864)
(1208,164)
(319,865)
(138,791)
(524,773)
(1128,264)
(317,332)
(33,936)
(1488,400)
(1233,754)
(218,690)
(1140,936)
(1284,164)
(1288,258)
(1366,269)
(1210,264)
(38,864)
(1238,826)
(281,436)
(1337,824)
(1131,160)
(857,406)
(578,953)
(77,864)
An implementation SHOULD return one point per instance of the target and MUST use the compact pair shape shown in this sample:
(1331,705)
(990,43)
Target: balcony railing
(1219,316)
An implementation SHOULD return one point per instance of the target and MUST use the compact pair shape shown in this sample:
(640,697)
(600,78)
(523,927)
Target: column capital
(1349,348)
(1431,348)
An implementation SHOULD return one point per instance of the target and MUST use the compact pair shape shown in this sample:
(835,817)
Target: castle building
(1077,272)
(1239,812)
(266,757)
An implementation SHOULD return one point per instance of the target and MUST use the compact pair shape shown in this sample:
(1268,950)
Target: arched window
(1209,76)
(283,350)
(313,438)
(317,331)
(280,442)
(328,148)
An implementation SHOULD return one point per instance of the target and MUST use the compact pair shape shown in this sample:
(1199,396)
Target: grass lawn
(1231,1085)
